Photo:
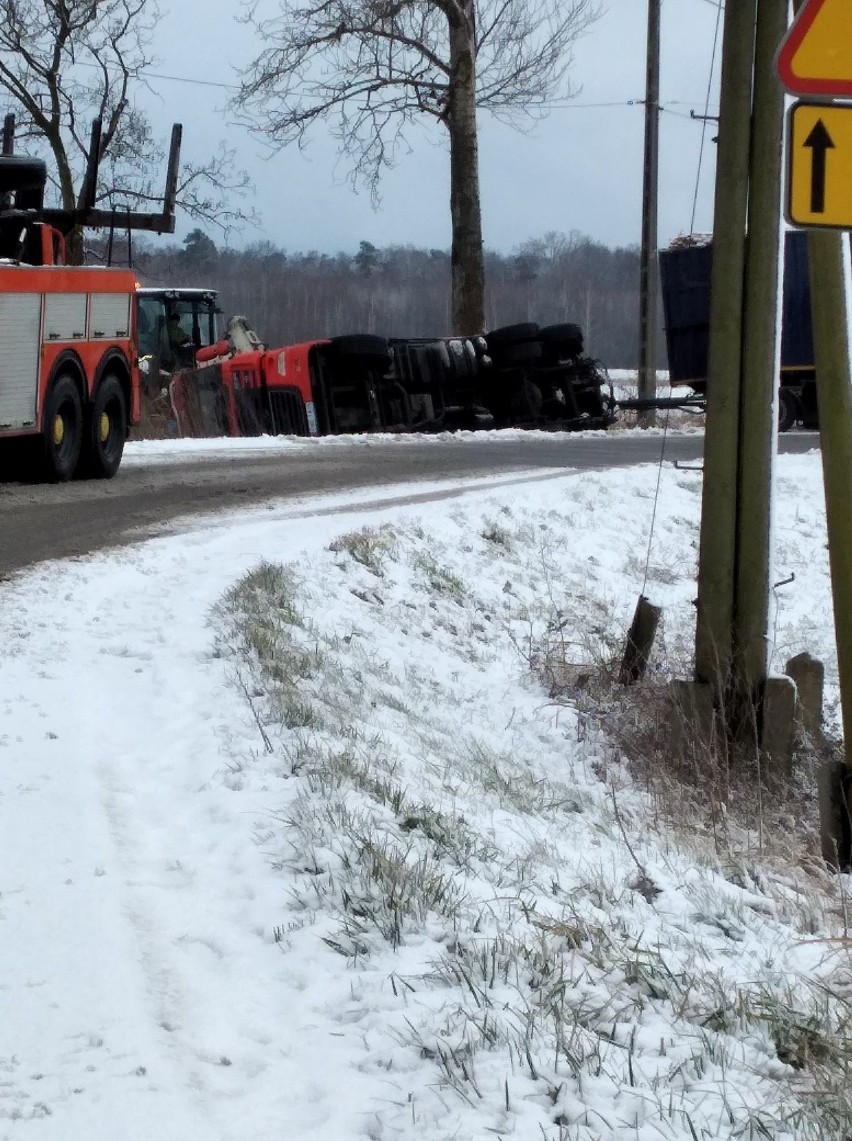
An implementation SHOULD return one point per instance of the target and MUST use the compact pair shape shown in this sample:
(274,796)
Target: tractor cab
(173,324)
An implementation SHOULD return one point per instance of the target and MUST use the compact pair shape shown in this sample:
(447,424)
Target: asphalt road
(39,521)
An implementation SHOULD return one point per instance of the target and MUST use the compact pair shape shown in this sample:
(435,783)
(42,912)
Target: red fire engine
(69,385)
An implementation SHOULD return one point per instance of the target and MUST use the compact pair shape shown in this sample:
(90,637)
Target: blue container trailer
(685,279)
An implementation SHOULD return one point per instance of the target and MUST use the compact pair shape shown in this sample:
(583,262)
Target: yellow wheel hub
(103,427)
(58,430)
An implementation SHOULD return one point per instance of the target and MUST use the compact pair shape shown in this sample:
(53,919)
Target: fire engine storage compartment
(685,279)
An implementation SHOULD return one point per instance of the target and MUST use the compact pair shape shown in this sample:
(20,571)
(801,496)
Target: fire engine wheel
(63,429)
(106,431)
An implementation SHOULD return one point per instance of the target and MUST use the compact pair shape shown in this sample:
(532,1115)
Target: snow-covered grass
(296,843)
(555,969)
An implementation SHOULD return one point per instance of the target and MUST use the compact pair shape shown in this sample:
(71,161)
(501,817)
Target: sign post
(815,61)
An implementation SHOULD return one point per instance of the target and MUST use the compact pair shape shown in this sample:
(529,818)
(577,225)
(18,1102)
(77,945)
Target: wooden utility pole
(760,370)
(648,265)
(717,554)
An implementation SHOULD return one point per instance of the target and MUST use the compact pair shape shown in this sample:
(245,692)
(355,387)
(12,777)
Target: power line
(705,117)
(234,87)
(550,105)
(169,78)
(666,108)
(184,79)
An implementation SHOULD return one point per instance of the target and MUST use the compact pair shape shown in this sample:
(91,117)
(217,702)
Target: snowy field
(312,855)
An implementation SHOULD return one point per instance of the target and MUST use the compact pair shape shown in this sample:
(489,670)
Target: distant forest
(402,291)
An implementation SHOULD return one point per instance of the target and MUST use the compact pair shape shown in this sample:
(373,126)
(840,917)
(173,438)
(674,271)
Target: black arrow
(820,142)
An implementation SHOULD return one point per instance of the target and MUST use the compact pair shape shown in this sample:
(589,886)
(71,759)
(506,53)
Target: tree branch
(66,62)
(324,58)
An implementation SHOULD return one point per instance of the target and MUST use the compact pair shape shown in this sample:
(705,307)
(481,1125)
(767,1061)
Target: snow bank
(339,867)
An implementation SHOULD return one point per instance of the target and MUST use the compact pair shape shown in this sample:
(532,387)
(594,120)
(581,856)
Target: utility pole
(717,553)
(648,265)
(760,372)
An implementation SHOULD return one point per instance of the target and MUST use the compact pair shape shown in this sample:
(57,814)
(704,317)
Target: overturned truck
(516,376)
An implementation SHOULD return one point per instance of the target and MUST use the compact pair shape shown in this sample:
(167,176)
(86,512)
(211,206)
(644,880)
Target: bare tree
(373,67)
(64,63)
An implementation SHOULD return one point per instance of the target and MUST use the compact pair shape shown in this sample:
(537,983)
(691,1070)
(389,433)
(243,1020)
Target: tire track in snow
(134,879)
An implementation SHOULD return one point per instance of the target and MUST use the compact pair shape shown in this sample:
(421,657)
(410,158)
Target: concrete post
(809,675)
(778,720)
(640,641)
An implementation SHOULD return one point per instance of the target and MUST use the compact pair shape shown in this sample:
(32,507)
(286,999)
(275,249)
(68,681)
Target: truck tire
(364,347)
(516,356)
(62,425)
(106,431)
(508,335)
(566,340)
(788,410)
(438,356)
(460,359)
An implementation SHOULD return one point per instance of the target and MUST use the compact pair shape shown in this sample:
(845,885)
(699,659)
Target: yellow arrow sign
(819,153)
(816,56)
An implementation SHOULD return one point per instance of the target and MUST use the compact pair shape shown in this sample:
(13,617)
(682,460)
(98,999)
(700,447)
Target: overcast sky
(580,169)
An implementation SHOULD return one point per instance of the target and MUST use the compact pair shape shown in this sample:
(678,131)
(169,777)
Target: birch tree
(371,68)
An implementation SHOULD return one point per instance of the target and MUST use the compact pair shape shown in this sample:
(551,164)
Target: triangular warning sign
(816,56)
